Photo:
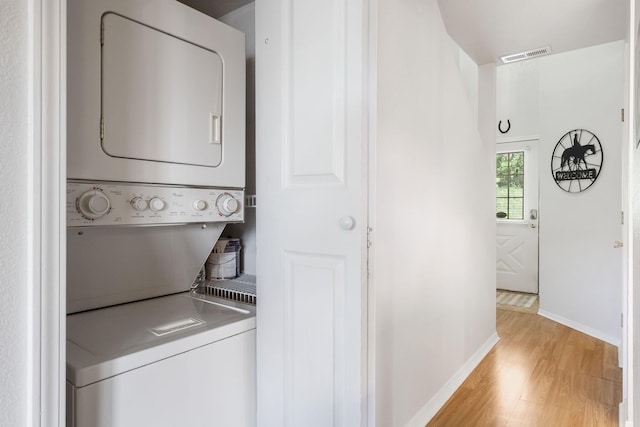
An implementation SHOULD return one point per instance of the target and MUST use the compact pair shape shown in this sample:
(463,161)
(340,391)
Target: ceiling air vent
(526,55)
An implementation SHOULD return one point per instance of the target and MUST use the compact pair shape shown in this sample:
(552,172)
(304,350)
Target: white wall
(468,74)
(580,271)
(13,211)
(244,19)
(434,277)
(518,99)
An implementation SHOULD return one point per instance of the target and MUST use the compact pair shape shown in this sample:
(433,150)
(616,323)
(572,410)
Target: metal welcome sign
(576,160)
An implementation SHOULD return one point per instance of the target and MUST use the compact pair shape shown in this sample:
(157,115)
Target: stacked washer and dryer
(156,169)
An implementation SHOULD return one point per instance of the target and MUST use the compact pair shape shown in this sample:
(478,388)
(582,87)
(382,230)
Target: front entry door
(517,216)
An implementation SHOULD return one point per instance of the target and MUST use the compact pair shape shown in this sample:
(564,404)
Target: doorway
(517,216)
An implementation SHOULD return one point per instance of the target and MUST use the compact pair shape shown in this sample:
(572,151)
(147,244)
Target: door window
(510,185)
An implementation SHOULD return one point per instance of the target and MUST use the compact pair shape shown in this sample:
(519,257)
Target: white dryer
(156,94)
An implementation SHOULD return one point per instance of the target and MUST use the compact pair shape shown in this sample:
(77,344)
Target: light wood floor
(539,374)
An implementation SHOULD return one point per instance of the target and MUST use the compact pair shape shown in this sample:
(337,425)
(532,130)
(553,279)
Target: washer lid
(107,342)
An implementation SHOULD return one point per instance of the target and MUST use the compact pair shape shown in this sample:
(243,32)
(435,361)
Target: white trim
(517,139)
(372,122)
(432,407)
(46,235)
(622,412)
(33,207)
(627,411)
(581,328)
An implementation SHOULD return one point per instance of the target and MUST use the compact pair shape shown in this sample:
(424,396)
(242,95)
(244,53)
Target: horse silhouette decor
(576,160)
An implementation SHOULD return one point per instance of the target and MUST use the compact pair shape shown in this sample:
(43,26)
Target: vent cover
(541,51)
(242,289)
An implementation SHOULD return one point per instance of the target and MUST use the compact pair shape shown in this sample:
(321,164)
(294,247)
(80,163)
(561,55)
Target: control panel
(138,204)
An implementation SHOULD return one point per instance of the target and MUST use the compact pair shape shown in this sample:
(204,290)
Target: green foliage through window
(510,185)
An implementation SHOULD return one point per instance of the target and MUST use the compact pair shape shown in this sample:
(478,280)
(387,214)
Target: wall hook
(500,126)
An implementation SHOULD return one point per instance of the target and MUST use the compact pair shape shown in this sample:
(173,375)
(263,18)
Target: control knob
(199,205)
(93,204)
(227,205)
(156,204)
(139,204)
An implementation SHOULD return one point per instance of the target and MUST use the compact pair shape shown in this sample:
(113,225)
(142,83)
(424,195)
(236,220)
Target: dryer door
(161,96)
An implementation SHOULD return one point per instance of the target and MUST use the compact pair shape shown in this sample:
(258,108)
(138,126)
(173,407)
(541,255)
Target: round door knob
(139,204)
(156,204)
(227,205)
(532,225)
(199,205)
(93,204)
(347,223)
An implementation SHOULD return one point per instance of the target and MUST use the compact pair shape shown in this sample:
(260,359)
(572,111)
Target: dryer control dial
(199,205)
(139,204)
(93,204)
(156,204)
(227,204)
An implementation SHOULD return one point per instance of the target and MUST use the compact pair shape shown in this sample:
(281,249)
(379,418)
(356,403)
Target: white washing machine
(179,360)
(142,348)
(156,168)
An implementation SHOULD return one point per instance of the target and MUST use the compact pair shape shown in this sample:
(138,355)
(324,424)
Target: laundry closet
(144,213)
(343,225)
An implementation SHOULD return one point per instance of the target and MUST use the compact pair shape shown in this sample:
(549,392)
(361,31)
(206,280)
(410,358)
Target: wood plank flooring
(540,373)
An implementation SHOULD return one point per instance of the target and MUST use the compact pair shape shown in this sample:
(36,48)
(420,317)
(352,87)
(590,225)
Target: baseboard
(622,414)
(581,328)
(424,415)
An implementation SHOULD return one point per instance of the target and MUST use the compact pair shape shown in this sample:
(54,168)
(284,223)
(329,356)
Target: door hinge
(622,114)
(369,231)
(622,320)
(101,127)
(622,217)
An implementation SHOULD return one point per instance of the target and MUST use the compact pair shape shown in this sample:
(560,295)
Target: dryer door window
(161,96)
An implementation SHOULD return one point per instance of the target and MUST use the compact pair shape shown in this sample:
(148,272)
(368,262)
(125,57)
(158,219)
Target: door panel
(517,216)
(181,123)
(314,288)
(317,71)
(311,218)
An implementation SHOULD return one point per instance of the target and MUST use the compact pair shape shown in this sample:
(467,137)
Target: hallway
(540,373)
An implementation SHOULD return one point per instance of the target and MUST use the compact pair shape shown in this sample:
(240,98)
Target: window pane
(515,186)
(510,185)
(502,186)
(502,164)
(516,208)
(502,205)
(516,163)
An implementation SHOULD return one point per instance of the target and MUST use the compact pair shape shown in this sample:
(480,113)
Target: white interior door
(310,215)
(517,216)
